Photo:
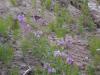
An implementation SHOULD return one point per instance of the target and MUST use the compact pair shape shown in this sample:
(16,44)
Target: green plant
(59,25)
(58,29)
(38,46)
(84,7)
(91,70)
(86,20)
(41,48)
(60,32)
(56,7)
(6,53)
(5,24)
(15,29)
(80,23)
(96,60)
(94,44)
(14,24)
(16,34)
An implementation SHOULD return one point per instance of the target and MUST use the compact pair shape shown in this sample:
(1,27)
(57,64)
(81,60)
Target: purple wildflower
(51,70)
(21,17)
(46,65)
(69,60)
(60,42)
(26,28)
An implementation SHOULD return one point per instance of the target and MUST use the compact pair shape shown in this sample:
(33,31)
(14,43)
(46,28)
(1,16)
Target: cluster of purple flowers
(23,25)
(68,57)
(61,42)
(49,68)
(69,60)
(21,18)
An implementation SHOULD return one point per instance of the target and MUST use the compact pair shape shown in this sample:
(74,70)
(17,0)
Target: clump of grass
(16,34)
(5,24)
(38,46)
(86,20)
(3,27)
(81,24)
(15,29)
(84,7)
(15,24)
(58,29)
(94,46)
(6,53)
(63,18)
(56,7)
(9,26)
(40,49)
